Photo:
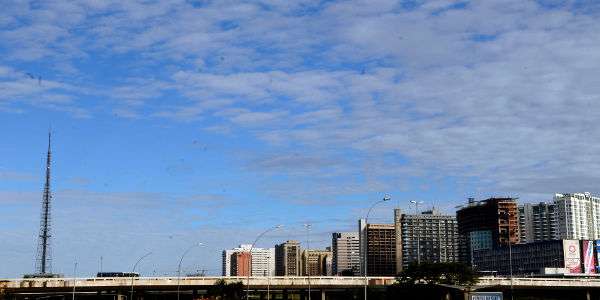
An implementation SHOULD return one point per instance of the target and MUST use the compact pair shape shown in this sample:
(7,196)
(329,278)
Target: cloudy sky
(176,122)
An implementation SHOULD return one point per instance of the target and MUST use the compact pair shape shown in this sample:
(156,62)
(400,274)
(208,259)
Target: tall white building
(346,253)
(263,260)
(578,216)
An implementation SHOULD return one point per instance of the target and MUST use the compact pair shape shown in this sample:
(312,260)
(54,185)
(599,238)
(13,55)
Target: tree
(226,291)
(438,273)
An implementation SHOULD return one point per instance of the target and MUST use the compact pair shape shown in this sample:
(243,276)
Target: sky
(177,122)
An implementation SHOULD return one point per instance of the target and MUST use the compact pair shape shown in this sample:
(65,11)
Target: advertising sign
(485,296)
(597,252)
(589,260)
(572,256)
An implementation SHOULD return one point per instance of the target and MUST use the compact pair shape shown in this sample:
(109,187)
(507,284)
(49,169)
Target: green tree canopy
(438,273)
(226,291)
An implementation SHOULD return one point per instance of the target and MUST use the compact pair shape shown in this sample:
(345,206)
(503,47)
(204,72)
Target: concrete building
(578,216)
(399,239)
(545,257)
(538,222)
(435,234)
(315,262)
(288,259)
(486,224)
(263,260)
(530,258)
(381,244)
(380,240)
(329,263)
(240,263)
(345,253)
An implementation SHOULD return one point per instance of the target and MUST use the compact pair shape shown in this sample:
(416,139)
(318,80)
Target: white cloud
(500,97)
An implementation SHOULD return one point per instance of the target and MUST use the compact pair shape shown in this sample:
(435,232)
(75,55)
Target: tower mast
(43,260)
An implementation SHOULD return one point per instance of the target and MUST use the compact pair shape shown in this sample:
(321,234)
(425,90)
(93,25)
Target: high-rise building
(578,216)
(329,263)
(525,223)
(380,241)
(362,243)
(381,244)
(288,259)
(263,260)
(486,224)
(315,262)
(239,263)
(399,239)
(345,257)
(435,235)
(538,222)
(528,258)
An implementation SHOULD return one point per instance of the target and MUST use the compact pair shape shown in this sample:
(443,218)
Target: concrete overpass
(280,281)
(285,287)
(569,282)
(121,287)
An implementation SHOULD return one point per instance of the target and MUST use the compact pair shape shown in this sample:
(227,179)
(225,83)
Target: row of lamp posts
(307,226)
(135,266)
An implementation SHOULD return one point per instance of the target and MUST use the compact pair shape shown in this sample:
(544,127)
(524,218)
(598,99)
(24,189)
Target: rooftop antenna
(43,262)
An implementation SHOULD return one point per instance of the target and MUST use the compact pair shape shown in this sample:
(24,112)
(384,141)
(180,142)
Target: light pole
(510,257)
(74,279)
(506,216)
(268,277)
(179,266)
(366,242)
(133,271)
(250,258)
(307,226)
(418,229)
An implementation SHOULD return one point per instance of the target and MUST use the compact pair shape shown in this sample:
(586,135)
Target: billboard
(589,259)
(485,296)
(572,256)
(597,243)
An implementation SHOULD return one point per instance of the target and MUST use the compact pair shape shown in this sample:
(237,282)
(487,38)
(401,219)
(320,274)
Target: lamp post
(268,277)
(250,258)
(133,271)
(366,243)
(307,226)
(418,229)
(506,216)
(510,262)
(179,266)
(74,279)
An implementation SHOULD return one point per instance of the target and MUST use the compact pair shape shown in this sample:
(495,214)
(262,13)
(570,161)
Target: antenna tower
(43,262)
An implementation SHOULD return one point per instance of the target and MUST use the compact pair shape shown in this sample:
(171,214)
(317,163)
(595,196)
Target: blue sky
(183,121)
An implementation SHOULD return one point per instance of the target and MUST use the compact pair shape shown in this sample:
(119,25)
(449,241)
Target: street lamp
(133,270)
(418,229)
(74,279)
(250,258)
(179,266)
(268,277)
(307,226)
(385,198)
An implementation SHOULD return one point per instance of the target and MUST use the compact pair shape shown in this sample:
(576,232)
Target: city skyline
(182,122)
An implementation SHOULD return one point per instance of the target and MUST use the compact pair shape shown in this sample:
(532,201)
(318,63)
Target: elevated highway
(275,282)
(170,282)
(122,288)
(543,282)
